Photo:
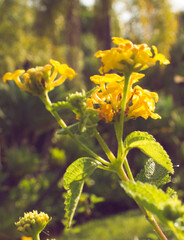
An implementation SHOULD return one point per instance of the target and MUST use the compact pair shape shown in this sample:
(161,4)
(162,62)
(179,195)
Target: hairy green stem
(104,146)
(36,237)
(60,121)
(152,221)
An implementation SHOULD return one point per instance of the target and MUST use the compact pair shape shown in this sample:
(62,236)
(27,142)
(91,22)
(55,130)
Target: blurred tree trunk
(73,38)
(102,23)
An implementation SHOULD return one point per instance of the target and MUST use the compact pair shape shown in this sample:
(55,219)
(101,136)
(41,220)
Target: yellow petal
(160,57)
(63,69)
(12,76)
(107,78)
(119,40)
(26,238)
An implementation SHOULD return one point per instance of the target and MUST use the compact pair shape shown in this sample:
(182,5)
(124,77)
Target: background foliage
(33,158)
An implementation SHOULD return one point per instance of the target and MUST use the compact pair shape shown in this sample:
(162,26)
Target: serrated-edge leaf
(79,170)
(71,201)
(148,145)
(73,182)
(152,198)
(137,136)
(153,173)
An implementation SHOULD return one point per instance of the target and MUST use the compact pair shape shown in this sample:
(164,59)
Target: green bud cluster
(77,101)
(32,223)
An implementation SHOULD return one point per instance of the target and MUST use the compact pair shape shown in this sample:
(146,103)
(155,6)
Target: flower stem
(104,146)
(36,237)
(60,121)
(152,221)
(128,170)
(120,126)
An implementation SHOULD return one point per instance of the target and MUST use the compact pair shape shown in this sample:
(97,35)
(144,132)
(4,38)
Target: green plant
(116,100)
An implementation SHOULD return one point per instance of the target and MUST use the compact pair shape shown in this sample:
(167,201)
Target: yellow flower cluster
(128,57)
(41,79)
(32,223)
(107,96)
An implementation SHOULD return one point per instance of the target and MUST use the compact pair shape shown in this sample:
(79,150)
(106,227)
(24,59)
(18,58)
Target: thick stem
(122,174)
(60,121)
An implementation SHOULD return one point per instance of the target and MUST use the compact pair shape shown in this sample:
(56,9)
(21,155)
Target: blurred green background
(33,158)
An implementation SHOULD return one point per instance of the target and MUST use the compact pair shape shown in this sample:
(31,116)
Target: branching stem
(62,124)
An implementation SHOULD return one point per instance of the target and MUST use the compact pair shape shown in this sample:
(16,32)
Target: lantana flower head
(41,79)
(129,57)
(32,223)
(107,96)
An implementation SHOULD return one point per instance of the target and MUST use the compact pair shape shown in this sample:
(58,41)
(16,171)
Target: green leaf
(153,173)
(137,136)
(71,200)
(168,209)
(73,182)
(148,145)
(150,196)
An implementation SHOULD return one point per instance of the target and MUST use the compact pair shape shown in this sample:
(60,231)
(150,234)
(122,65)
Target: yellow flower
(41,79)
(107,78)
(106,112)
(107,96)
(129,57)
(142,104)
(26,238)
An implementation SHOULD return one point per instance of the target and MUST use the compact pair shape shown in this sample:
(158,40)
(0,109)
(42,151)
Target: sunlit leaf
(168,209)
(148,145)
